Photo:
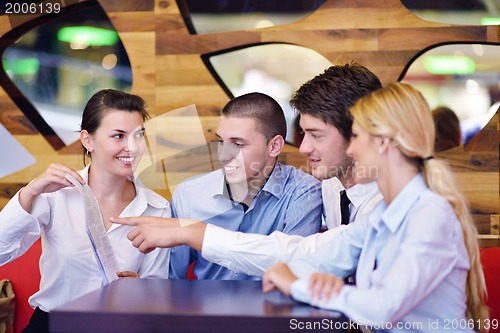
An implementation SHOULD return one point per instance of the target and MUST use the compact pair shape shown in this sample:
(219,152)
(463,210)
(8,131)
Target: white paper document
(97,233)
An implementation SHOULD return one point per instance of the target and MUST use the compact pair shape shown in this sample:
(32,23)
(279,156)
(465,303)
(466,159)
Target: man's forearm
(250,254)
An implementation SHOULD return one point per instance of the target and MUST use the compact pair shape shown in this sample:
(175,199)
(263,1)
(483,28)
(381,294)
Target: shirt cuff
(216,242)
(299,291)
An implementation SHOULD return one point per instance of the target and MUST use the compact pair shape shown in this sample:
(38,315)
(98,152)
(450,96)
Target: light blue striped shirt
(290,201)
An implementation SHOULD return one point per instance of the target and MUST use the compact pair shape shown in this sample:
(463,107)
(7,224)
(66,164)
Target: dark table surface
(154,305)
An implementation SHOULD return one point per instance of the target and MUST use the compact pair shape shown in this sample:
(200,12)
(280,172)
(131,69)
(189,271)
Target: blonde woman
(416,255)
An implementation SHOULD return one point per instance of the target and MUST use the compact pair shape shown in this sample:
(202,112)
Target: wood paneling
(168,72)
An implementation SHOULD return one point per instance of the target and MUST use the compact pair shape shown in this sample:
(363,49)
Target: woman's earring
(88,153)
(380,150)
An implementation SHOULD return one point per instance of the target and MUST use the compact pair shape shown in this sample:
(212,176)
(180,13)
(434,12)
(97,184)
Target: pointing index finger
(124,220)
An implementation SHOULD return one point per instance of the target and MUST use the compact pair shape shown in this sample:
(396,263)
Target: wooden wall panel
(168,72)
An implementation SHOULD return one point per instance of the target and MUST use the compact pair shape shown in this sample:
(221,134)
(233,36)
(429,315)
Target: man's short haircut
(268,114)
(329,95)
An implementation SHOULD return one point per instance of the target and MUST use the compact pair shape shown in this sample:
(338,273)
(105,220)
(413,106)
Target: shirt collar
(333,185)
(395,213)
(274,183)
(357,194)
(85,173)
(143,197)
(220,188)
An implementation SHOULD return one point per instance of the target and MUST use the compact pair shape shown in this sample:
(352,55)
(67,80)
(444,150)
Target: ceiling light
(91,36)
(490,20)
(23,66)
(454,65)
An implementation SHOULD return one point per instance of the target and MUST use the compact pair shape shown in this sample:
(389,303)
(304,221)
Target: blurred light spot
(109,61)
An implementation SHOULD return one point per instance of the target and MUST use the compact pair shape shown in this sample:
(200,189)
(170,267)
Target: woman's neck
(393,179)
(109,187)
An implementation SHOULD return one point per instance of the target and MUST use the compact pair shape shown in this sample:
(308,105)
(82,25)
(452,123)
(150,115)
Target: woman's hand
(278,277)
(128,274)
(323,286)
(51,180)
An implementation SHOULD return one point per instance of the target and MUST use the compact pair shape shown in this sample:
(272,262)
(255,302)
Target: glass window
(202,16)
(462,77)
(52,66)
(468,12)
(276,69)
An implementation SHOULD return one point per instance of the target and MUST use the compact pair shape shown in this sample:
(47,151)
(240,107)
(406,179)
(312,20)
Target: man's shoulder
(199,185)
(201,180)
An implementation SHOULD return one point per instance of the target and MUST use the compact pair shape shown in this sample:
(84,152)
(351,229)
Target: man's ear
(275,145)
(86,140)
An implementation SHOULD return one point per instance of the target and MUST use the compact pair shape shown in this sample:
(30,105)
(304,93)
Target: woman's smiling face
(119,143)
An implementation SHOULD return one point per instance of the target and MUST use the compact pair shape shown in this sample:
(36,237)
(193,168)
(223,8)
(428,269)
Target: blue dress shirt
(411,261)
(290,201)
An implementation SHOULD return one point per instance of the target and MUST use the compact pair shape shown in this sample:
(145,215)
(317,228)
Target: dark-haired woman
(52,207)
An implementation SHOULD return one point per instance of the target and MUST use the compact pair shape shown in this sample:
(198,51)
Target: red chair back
(490,259)
(24,273)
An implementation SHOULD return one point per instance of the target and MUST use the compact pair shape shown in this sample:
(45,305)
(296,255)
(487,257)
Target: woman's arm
(406,275)
(51,180)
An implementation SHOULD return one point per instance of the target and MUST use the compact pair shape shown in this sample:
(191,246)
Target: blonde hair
(400,112)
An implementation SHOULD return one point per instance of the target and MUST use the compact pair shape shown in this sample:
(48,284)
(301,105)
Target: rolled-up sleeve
(253,254)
